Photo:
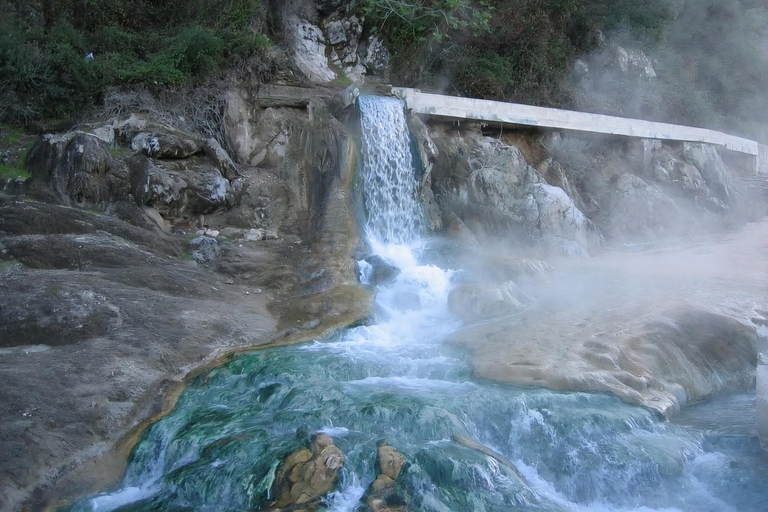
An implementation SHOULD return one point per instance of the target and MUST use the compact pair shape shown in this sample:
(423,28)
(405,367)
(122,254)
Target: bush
(47,72)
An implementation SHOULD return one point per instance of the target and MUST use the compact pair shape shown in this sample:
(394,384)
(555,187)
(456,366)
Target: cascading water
(389,184)
(219,448)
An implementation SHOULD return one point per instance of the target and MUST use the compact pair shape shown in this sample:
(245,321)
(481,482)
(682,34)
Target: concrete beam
(527,115)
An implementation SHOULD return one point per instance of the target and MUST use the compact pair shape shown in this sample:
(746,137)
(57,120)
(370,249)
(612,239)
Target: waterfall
(388,179)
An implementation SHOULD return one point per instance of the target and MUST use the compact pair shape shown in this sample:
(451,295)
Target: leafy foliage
(55,65)
(711,56)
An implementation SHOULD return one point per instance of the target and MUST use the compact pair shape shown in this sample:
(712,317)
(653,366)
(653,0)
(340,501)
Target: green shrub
(45,71)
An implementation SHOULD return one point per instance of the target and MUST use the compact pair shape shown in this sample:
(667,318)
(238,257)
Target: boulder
(383,494)
(165,145)
(713,170)
(70,168)
(488,183)
(380,272)
(205,250)
(180,189)
(390,460)
(306,475)
(307,46)
(638,210)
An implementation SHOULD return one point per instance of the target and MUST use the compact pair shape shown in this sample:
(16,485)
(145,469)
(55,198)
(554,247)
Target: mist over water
(219,448)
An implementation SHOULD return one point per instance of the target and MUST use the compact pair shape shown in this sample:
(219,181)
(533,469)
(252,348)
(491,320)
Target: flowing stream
(219,448)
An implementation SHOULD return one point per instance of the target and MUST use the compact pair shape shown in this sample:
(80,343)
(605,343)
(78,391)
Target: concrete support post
(762,400)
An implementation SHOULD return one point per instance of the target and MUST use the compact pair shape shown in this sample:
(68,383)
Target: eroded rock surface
(307,474)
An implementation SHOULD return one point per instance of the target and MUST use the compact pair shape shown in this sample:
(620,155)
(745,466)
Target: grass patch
(120,151)
(13,171)
(6,265)
(57,64)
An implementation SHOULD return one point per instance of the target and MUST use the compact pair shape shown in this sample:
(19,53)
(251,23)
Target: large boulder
(70,168)
(165,145)
(639,210)
(306,43)
(181,188)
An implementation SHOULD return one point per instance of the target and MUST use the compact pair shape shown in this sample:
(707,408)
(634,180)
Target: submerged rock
(475,445)
(307,474)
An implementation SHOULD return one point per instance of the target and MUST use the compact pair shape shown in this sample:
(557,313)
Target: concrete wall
(527,115)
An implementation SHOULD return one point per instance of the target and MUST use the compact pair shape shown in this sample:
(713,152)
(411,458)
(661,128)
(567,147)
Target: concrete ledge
(527,115)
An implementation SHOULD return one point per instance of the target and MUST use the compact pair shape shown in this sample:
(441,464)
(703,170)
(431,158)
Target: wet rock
(383,494)
(381,272)
(456,229)
(205,250)
(307,474)
(165,145)
(475,445)
(64,314)
(685,355)
(390,460)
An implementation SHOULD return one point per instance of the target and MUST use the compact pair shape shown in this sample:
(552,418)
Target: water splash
(388,179)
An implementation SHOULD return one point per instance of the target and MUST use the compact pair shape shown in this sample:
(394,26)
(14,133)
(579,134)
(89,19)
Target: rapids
(219,448)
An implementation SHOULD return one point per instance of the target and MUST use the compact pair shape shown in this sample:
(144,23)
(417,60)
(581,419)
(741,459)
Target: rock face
(307,43)
(98,320)
(307,474)
(489,184)
(641,191)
